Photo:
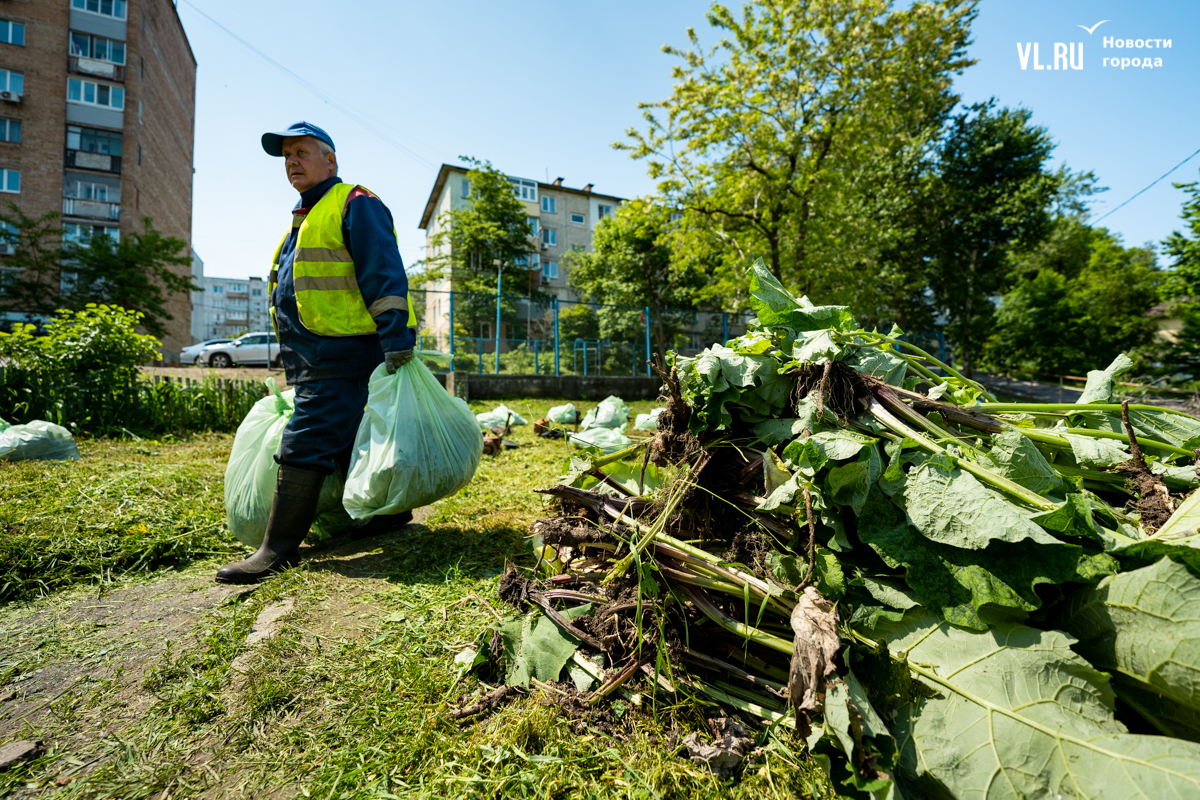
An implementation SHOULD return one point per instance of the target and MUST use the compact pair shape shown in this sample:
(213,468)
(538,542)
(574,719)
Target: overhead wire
(1143,191)
(354,114)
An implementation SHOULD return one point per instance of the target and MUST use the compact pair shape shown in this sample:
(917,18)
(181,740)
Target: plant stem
(730,624)
(1107,407)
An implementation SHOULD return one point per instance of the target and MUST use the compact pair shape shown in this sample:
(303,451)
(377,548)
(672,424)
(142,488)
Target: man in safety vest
(340,306)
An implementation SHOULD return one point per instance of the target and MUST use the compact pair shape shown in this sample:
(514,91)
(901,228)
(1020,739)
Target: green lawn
(351,698)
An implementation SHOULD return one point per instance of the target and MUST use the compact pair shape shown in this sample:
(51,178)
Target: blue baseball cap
(273,142)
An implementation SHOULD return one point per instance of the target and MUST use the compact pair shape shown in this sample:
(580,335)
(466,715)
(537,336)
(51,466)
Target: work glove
(396,358)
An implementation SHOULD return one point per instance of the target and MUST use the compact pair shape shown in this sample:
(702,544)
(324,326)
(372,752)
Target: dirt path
(81,666)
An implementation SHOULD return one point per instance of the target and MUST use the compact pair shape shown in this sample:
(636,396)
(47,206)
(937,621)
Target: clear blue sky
(542,89)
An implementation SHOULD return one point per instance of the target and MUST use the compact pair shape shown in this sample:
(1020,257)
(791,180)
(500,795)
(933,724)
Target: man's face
(306,167)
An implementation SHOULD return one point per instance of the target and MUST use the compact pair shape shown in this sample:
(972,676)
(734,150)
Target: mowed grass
(351,699)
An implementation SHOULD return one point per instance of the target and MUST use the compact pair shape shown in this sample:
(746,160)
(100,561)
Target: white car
(191,353)
(257,349)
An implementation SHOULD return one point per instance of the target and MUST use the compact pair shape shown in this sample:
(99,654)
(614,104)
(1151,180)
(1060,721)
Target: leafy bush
(100,337)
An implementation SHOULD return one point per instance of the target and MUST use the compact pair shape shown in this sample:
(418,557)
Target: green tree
(1069,312)
(631,266)
(578,321)
(778,140)
(29,278)
(992,194)
(1184,247)
(136,272)
(93,339)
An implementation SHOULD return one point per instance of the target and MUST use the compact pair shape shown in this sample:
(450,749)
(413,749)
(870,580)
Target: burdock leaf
(814,647)
(1166,427)
(535,647)
(850,483)
(816,347)
(1072,518)
(1096,453)
(1018,459)
(865,743)
(958,584)
(840,445)
(879,363)
(778,308)
(1099,387)
(1145,625)
(952,507)
(1017,714)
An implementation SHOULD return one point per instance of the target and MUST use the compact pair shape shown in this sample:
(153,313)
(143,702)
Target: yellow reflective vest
(327,293)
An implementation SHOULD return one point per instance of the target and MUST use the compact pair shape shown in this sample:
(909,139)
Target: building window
(466,189)
(533,225)
(97,47)
(109,8)
(526,190)
(82,234)
(10,181)
(256,292)
(139,154)
(81,188)
(218,289)
(676,216)
(91,140)
(548,205)
(139,112)
(549,237)
(12,32)
(95,94)
(579,219)
(12,82)
(549,270)
(9,238)
(10,130)
(605,211)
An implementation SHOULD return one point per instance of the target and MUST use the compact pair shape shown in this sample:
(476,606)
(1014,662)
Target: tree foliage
(632,265)
(775,141)
(1075,303)
(1184,247)
(135,272)
(29,278)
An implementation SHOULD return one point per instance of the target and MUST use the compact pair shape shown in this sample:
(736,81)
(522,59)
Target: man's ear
(332,159)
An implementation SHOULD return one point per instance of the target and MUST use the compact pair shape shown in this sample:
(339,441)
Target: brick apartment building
(97,120)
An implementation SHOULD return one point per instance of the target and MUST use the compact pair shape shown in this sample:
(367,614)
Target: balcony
(96,69)
(92,209)
(81,159)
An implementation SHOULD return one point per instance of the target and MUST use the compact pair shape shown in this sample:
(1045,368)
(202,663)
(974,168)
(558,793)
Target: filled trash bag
(648,422)
(36,441)
(415,444)
(610,413)
(563,415)
(608,440)
(498,416)
(251,471)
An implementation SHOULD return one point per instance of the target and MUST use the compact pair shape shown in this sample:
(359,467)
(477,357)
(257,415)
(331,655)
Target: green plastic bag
(563,415)
(36,441)
(610,413)
(500,415)
(607,440)
(252,469)
(415,444)
(648,422)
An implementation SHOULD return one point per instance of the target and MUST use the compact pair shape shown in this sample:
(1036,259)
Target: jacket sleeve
(370,237)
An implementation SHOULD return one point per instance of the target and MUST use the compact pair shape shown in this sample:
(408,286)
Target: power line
(349,111)
(1130,200)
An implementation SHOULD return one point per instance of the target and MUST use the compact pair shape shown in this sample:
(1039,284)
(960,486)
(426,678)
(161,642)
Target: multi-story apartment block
(97,120)
(229,307)
(560,217)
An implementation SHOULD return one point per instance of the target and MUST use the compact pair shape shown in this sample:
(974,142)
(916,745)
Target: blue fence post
(585,349)
(452,330)
(499,284)
(480,340)
(647,313)
(557,372)
(725,327)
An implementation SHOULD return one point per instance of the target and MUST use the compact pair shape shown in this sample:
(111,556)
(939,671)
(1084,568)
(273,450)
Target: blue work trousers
(320,434)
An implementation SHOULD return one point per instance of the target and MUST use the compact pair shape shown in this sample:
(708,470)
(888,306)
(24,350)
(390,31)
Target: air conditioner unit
(10,97)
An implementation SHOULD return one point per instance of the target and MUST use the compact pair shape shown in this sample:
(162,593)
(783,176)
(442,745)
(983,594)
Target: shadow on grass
(421,554)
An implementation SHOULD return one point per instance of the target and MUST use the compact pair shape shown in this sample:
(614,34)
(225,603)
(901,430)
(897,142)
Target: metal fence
(533,335)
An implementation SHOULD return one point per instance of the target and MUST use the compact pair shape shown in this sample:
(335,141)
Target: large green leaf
(535,647)
(778,308)
(1017,714)
(1096,453)
(866,757)
(1145,624)
(952,507)
(1017,458)
(959,584)
(1099,387)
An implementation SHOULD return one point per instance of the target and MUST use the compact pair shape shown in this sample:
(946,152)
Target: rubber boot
(292,514)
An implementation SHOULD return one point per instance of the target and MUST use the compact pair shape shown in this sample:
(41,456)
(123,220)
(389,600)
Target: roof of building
(444,175)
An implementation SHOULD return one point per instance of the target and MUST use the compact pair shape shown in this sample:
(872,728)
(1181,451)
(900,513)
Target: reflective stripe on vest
(323,276)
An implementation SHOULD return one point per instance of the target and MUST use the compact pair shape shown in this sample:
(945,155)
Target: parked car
(191,353)
(256,349)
